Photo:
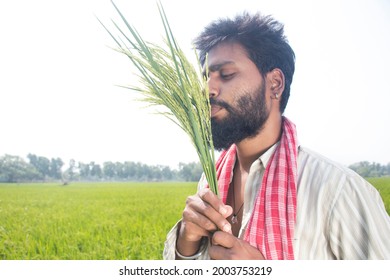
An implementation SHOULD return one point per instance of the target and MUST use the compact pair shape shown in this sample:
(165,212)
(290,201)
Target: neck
(251,149)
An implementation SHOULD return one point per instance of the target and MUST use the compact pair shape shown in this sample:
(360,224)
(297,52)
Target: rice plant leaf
(168,79)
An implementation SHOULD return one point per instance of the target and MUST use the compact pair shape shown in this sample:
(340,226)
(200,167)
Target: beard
(245,120)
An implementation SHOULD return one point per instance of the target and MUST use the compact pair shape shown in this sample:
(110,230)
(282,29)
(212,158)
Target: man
(278,200)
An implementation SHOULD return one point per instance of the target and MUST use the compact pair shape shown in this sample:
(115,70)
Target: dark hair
(261,36)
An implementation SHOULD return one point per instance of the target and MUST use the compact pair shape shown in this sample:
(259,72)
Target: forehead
(227,53)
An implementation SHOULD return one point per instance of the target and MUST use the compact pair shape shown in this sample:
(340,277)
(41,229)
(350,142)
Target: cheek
(235,92)
(228,93)
(250,90)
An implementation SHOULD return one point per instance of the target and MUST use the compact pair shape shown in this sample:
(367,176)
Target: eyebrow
(217,66)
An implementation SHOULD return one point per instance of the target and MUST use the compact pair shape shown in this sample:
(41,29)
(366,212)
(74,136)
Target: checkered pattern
(271,227)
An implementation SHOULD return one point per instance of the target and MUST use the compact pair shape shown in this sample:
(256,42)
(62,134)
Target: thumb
(229,211)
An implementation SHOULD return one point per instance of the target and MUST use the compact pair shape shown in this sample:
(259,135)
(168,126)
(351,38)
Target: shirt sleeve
(170,244)
(359,226)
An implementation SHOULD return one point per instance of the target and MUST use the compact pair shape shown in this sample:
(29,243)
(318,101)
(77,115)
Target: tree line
(371,169)
(41,169)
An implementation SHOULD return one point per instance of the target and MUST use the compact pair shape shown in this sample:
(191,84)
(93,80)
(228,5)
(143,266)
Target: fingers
(228,247)
(204,213)
(192,232)
(208,196)
(221,246)
(223,239)
(213,210)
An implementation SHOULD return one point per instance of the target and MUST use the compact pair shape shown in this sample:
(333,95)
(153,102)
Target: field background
(96,221)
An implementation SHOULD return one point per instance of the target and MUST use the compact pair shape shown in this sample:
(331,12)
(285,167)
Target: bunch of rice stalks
(167,78)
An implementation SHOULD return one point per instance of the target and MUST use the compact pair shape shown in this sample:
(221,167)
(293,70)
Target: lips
(214,110)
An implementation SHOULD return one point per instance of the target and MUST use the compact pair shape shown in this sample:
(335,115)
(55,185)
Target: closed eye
(227,76)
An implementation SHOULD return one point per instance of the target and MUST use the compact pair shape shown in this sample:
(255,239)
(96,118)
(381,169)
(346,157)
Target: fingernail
(227,228)
(223,210)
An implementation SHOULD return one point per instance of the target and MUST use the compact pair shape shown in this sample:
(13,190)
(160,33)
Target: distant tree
(367,169)
(15,169)
(109,170)
(70,173)
(167,173)
(56,165)
(119,170)
(144,173)
(190,171)
(84,170)
(96,171)
(130,170)
(362,168)
(47,168)
(156,173)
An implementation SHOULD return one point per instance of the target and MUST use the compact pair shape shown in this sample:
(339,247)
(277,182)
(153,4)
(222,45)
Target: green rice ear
(168,79)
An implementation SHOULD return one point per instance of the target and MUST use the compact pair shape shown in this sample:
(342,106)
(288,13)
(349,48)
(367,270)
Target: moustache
(221,103)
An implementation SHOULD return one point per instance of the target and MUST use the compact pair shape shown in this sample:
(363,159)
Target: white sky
(57,78)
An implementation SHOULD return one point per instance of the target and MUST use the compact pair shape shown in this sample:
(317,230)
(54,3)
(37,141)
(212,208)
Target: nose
(214,87)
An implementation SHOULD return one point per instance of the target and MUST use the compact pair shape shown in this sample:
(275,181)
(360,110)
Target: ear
(276,81)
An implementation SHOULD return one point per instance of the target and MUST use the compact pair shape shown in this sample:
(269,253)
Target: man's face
(237,96)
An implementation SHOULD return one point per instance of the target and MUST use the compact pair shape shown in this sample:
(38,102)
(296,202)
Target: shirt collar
(262,160)
(265,157)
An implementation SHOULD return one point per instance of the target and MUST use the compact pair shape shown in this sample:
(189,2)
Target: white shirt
(339,214)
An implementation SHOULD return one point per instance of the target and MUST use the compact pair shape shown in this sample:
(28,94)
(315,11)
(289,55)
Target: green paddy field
(96,221)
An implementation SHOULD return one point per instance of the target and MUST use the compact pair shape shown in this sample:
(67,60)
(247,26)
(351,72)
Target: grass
(96,221)
(88,221)
(383,186)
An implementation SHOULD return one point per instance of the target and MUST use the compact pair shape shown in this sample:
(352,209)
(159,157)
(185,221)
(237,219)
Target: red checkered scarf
(271,227)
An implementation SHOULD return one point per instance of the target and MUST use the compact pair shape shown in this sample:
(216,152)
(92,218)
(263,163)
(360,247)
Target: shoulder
(330,181)
(316,168)
(327,180)
(346,208)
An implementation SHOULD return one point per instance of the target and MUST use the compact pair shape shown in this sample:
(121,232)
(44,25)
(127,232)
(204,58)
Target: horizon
(66,163)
